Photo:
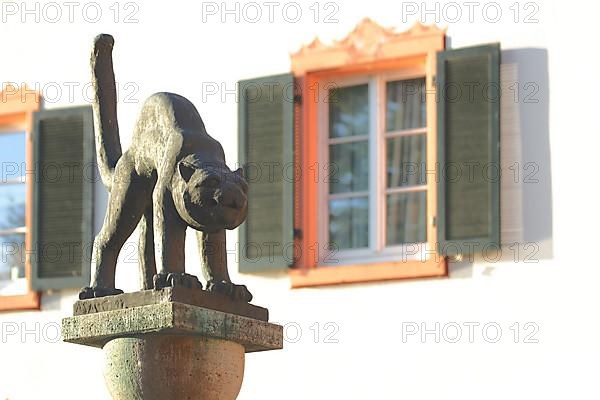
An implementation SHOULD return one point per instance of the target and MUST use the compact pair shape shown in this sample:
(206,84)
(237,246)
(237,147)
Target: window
(405,162)
(370,133)
(46,200)
(375,197)
(16,116)
(12,214)
(347,185)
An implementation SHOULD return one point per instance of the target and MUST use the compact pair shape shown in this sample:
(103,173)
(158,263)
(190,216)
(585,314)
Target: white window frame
(376,251)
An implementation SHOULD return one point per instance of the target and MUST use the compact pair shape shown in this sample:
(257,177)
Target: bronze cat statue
(173,176)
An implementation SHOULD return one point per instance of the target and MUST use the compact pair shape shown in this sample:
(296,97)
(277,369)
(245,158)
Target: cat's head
(209,196)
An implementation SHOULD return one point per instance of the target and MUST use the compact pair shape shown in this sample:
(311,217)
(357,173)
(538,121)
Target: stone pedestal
(176,343)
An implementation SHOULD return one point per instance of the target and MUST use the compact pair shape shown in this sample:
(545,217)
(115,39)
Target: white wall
(172,49)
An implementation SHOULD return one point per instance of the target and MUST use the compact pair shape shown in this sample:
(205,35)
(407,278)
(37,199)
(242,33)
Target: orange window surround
(368,49)
(17,107)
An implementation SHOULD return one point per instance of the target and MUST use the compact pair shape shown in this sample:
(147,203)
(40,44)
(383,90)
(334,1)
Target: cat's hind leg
(126,203)
(146,250)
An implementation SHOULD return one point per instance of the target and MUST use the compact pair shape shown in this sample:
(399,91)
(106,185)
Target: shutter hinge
(434,80)
(434,221)
(294,263)
(455,257)
(298,98)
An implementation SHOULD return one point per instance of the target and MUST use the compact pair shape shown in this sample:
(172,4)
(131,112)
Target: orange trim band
(16,113)
(368,49)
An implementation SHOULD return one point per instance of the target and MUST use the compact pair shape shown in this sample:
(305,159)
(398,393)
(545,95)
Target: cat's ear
(186,171)
(239,172)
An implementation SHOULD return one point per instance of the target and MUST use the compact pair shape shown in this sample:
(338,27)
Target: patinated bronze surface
(173,176)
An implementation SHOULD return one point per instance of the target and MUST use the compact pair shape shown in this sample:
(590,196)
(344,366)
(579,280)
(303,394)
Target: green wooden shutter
(265,127)
(63,198)
(468,82)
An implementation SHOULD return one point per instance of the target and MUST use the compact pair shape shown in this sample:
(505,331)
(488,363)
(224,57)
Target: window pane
(349,223)
(405,161)
(12,265)
(348,169)
(406,218)
(405,105)
(349,111)
(12,154)
(12,205)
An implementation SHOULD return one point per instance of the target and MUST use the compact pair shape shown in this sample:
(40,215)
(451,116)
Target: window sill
(29,301)
(323,276)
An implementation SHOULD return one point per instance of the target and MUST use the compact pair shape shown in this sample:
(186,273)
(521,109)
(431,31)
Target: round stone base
(164,367)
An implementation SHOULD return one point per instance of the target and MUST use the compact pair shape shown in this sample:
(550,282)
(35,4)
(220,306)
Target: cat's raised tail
(108,144)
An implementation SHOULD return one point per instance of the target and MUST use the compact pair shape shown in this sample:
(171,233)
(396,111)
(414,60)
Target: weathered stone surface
(164,367)
(170,318)
(179,294)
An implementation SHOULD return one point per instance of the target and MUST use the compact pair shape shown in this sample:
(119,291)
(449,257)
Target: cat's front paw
(236,292)
(97,291)
(173,279)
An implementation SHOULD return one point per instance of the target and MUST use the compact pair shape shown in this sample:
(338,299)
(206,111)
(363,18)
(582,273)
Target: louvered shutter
(265,128)
(469,150)
(63,198)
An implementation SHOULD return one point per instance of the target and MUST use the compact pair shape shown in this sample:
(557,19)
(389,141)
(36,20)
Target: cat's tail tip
(103,41)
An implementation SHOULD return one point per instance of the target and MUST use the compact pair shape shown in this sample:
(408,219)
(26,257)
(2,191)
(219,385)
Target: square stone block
(97,321)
